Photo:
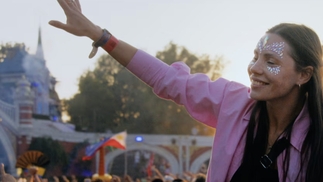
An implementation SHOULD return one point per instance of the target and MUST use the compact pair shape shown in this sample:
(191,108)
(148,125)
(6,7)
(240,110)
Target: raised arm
(201,97)
(79,25)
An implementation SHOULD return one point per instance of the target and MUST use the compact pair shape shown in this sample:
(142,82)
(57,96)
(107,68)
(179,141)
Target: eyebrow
(272,54)
(267,54)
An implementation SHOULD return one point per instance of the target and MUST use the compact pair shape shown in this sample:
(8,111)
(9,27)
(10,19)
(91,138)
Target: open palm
(76,23)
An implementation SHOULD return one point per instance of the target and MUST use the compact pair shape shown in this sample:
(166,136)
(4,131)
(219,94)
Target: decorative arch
(8,122)
(196,164)
(141,146)
(8,153)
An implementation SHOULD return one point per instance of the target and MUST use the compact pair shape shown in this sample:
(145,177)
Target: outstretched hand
(76,23)
(6,177)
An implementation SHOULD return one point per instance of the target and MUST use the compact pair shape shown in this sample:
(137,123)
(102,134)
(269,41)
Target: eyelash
(269,60)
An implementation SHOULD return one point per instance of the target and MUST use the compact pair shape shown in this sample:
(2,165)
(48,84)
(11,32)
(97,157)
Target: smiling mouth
(254,82)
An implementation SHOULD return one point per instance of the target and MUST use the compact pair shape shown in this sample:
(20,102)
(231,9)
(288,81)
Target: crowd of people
(156,176)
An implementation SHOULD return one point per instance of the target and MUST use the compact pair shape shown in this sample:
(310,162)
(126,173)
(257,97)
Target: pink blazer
(220,104)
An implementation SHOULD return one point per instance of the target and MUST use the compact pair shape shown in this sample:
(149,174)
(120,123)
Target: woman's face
(272,70)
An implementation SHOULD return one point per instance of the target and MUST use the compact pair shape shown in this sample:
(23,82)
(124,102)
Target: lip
(257,82)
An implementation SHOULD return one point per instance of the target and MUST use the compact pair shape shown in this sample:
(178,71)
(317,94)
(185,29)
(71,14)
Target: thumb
(2,170)
(58,24)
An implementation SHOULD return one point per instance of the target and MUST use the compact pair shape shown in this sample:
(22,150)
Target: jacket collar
(300,128)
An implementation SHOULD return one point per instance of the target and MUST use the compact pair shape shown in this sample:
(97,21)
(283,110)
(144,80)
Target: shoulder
(234,91)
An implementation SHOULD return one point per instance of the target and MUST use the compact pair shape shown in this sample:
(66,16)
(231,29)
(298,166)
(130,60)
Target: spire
(39,51)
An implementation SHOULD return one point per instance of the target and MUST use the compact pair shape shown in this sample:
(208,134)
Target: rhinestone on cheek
(274,70)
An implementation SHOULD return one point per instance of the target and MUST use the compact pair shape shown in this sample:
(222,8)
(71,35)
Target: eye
(271,61)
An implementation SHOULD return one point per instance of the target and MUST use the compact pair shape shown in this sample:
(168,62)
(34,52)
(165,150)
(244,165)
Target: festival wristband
(107,41)
(111,44)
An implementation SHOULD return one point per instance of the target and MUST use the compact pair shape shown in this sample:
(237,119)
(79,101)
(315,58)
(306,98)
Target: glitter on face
(264,42)
(274,70)
(277,47)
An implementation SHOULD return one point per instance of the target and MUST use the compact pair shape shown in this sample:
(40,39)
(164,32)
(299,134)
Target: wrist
(107,41)
(96,33)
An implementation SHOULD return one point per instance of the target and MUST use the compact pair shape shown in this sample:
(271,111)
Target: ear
(305,75)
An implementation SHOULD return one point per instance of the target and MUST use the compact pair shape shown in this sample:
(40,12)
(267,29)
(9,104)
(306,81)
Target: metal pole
(125,163)
(180,155)
(187,147)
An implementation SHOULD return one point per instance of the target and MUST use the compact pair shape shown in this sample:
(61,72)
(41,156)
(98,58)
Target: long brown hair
(306,50)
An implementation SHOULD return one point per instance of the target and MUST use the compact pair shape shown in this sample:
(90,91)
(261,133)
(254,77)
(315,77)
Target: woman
(271,131)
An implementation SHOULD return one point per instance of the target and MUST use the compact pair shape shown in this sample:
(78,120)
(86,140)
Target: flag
(118,141)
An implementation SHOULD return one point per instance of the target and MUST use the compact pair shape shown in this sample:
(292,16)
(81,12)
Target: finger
(78,4)
(2,170)
(64,5)
(58,24)
(61,25)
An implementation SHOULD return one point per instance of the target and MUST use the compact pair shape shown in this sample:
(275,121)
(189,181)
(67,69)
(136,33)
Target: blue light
(139,139)
(35,84)
(54,118)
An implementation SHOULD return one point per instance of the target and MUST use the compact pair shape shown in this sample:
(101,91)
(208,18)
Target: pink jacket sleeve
(201,97)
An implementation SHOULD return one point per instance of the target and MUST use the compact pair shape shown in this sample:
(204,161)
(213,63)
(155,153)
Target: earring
(299,85)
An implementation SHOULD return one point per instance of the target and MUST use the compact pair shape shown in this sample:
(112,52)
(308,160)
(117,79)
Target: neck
(281,114)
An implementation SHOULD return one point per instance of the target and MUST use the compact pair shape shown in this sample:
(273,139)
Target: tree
(9,49)
(111,98)
(53,150)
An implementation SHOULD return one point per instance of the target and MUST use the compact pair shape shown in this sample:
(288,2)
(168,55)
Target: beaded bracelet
(107,41)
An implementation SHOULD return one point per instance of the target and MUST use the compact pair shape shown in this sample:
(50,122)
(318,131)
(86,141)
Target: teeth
(258,82)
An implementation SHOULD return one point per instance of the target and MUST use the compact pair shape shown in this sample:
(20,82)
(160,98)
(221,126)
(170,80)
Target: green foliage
(52,149)
(111,98)
(198,64)
(8,48)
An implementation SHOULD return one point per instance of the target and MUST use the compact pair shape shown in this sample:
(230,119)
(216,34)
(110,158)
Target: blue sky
(228,28)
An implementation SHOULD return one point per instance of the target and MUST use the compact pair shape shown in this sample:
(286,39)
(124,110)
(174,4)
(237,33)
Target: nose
(255,67)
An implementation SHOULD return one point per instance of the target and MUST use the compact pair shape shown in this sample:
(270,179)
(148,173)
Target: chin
(256,97)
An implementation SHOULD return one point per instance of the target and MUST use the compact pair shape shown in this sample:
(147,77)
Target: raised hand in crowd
(6,177)
(33,174)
